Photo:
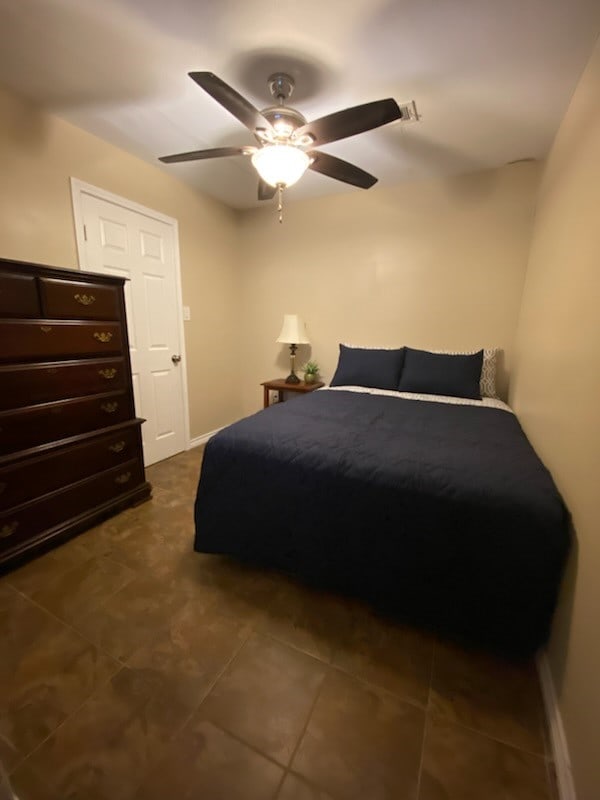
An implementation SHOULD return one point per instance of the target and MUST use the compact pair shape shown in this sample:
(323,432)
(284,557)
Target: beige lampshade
(293,330)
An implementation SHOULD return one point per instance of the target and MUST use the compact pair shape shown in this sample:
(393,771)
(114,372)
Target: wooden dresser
(70,444)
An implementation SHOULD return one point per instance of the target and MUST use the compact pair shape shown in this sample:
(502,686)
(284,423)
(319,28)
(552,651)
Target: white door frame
(79,188)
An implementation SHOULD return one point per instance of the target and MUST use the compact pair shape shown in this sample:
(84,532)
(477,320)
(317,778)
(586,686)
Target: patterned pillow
(487,384)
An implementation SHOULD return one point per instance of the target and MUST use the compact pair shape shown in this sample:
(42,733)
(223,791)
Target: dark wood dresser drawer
(23,523)
(18,295)
(59,380)
(28,340)
(30,478)
(66,299)
(35,425)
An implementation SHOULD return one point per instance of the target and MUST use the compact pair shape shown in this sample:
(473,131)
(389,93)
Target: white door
(119,240)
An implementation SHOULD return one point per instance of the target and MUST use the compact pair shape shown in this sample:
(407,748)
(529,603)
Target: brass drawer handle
(45,328)
(8,529)
(109,374)
(102,336)
(117,447)
(109,407)
(123,478)
(85,299)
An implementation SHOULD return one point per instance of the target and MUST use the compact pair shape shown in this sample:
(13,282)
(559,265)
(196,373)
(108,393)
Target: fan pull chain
(280,201)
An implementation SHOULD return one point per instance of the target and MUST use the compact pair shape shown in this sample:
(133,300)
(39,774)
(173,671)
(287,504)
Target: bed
(435,509)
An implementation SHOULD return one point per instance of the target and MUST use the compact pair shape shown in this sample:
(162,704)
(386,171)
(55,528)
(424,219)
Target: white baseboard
(200,440)
(560,750)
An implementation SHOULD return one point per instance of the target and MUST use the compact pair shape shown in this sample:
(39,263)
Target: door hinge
(85,233)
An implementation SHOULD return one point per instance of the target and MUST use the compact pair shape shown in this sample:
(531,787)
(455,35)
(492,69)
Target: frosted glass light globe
(280,164)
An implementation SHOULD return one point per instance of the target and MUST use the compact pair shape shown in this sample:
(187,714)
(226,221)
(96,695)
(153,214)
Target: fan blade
(265,190)
(215,152)
(237,105)
(341,170)
(350,121)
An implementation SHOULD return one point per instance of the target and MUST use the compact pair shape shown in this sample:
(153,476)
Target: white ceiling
(491,78)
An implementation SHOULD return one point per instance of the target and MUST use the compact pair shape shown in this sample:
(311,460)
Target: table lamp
(293,332)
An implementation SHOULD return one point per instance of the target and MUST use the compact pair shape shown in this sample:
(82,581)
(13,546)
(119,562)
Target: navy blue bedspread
(441,514)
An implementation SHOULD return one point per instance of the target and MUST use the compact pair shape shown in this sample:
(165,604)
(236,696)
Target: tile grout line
(285,767)
(426,719)
(101,602)
(312,784)
(368,684)
(318,693)
(476,731)
(66,719)
(69,626)
(119,663)
(489,736)
(194,710)
(551,779)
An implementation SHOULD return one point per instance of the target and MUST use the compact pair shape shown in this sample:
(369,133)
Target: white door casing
(118,237)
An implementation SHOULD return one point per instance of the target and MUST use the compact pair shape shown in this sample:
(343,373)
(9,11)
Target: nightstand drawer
(18,295)
(34,477)
(28,427)
(72,300)
(46,338)
(23,523)
(59,380)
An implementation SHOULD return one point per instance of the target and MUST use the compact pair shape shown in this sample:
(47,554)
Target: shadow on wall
(27,128)
(62,31)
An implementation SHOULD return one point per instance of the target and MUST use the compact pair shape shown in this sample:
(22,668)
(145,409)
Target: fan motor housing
(284,120)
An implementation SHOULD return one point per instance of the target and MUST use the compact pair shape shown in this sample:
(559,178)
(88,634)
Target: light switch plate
(186,313)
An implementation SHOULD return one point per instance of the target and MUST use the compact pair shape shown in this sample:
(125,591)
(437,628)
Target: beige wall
(556,392)
(38,155)
(439,264)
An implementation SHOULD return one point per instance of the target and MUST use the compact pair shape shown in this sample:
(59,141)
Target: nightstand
(279,385)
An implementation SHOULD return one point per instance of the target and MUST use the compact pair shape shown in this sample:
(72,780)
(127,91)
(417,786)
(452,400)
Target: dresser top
(43,270)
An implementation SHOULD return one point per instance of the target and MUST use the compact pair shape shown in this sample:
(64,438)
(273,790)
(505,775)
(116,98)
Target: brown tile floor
(134,668)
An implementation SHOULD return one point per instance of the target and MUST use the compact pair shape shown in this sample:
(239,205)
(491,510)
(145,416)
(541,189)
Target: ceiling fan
(286,141)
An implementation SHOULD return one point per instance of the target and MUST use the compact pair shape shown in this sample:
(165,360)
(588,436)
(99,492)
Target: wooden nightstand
(279,385)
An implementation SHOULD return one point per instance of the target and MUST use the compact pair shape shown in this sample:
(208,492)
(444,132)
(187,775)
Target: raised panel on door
(113,234)
(152,246)
(156,324)
(162,384)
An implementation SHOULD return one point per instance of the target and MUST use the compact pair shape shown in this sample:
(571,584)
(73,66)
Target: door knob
(176,359)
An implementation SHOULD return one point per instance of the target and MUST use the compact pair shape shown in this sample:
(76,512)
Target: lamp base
(292,378)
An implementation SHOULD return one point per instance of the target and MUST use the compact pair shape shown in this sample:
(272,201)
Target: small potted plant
(311,370)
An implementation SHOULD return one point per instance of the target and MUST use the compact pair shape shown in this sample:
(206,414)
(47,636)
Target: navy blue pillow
(439,373)
(362,366)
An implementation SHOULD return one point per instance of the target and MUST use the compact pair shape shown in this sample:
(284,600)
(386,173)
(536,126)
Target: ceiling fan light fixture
(280,164)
